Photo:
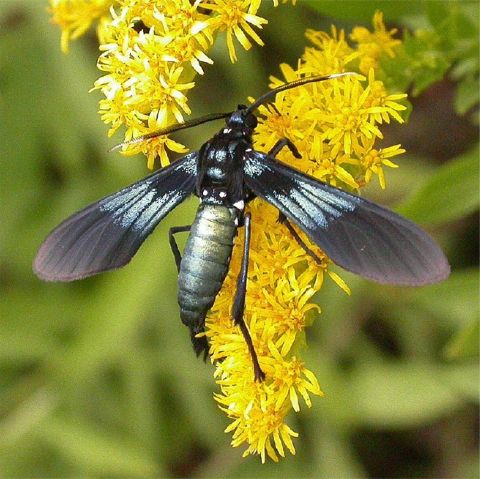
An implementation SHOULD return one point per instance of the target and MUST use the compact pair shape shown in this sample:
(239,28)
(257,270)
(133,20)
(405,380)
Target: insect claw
(259,374)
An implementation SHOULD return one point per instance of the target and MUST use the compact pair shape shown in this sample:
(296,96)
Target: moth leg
(173,244)
(284,220)
(200,345)
(282,143)
(239,302)
(277,111)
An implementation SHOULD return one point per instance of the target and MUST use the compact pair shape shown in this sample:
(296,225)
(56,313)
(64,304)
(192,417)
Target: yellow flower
(335,125)
(331,53)
(235,17)
(382,105)
(151,52)
(281,284)
(75,16)
(374,161)
(148,71)
(372,45)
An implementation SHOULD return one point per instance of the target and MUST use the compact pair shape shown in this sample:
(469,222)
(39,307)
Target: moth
(225,174)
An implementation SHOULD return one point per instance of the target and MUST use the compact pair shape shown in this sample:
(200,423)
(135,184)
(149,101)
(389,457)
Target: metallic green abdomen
(205,264)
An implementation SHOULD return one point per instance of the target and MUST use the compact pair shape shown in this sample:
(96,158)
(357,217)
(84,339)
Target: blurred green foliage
(98,379)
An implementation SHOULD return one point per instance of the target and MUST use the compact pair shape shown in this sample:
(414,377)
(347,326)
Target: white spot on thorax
(239,205)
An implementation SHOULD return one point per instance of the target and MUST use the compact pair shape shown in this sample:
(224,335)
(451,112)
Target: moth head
(242,119)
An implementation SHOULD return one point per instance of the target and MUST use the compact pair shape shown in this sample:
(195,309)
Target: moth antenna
(293,84)
(172,129)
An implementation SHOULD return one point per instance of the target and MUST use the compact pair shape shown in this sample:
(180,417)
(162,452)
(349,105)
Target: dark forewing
(358,235)
(106,234)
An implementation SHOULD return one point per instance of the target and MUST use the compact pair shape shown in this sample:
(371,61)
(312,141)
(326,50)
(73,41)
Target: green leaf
(334,457)
(464,379)
(113,314)
(94,451)
(465,343)
(449,194)
(467,96)
(402,394)
(362,12)
(454,301)
(423,60)
(445,39)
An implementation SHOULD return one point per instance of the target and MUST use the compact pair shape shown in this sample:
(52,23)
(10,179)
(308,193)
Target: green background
(97,378)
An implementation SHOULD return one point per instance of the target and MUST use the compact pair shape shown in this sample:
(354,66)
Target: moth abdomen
(205,262)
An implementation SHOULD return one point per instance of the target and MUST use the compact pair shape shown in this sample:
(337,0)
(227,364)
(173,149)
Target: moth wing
(358,235)
(107,234)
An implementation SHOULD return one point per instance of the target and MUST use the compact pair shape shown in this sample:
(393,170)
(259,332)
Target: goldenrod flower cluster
(151,51)
(75,17)
(335,126)
(372,45)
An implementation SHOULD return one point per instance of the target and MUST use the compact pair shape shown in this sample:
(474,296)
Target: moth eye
(251,121)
